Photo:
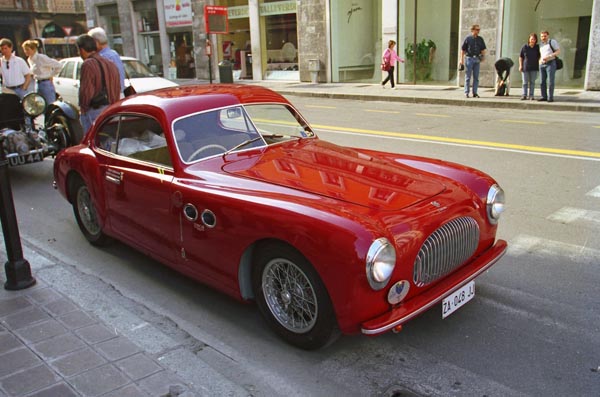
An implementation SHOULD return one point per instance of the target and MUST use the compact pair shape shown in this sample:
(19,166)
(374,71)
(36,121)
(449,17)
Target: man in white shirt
(16,75)
(549,50)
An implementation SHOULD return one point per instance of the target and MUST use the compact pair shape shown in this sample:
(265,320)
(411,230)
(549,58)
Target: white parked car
(140,76)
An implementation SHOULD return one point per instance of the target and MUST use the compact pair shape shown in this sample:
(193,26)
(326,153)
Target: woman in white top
(43,68)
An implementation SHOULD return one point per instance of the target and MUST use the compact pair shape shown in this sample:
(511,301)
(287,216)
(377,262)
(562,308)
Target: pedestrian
(104,50)
(16,75)
(43,69)
(99,82)
(529,61)
(389,59)
(549,50)
(473,49)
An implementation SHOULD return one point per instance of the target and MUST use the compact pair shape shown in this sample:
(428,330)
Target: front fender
(69,110)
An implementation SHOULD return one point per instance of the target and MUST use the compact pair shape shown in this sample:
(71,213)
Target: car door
(67,81)
(137,177)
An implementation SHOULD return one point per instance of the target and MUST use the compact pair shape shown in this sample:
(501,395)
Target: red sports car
(229,185)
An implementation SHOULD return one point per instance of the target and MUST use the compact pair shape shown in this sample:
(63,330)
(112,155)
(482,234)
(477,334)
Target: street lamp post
(18,271)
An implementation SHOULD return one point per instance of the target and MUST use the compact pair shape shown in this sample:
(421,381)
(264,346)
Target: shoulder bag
(559,62)
(101,98)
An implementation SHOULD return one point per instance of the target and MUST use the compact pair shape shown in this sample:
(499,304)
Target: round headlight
(381,260)
(495,203)
(34,104)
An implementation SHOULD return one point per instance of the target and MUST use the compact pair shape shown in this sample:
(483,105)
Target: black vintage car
(26,137)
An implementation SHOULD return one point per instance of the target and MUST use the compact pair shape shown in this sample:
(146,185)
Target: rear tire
(292,298)
(86,214)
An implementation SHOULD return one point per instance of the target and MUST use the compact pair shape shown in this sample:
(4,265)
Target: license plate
(457,299)
(19,159)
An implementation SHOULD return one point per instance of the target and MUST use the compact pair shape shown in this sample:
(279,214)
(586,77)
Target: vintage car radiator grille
(446,249)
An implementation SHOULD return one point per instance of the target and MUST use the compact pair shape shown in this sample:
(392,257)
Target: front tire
(86,214)
(65,132)
(292,298)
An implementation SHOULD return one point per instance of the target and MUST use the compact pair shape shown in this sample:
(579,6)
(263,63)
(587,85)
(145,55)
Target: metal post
(18,271)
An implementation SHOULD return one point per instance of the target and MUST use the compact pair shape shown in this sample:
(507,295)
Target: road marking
(570,215)
(595,192)
(528,245)
(511,147)
(432,115)
(382,111)
(320,106)
(596,126)
(523,122)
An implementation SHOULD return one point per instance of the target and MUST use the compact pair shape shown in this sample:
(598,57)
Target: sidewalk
(66,336)
(565,99)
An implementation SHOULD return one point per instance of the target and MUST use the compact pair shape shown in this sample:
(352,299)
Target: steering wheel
(203,148)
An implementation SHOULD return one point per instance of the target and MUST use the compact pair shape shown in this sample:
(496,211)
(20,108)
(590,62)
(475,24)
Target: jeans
(548,71)
(390,77)
(46,89)
(87,119)
(21,93)
(529,78)
(472,66)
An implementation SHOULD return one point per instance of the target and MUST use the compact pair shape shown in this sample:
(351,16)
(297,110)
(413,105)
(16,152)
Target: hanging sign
(178,13)
(215,18)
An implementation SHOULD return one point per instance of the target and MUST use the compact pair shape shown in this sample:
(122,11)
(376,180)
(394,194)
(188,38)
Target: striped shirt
(91,81)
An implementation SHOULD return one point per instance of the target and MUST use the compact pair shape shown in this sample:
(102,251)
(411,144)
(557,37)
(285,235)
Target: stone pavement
(565,99)
(74,335)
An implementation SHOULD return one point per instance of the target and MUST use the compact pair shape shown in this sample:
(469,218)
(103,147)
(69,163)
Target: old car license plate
(456,299)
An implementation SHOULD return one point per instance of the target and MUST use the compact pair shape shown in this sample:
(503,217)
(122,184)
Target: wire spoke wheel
(87,211)
(290,295)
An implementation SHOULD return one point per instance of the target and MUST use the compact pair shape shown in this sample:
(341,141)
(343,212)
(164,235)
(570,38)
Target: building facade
(54,22)
(342,40)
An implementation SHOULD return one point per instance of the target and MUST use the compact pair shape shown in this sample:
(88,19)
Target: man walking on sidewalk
(474,49)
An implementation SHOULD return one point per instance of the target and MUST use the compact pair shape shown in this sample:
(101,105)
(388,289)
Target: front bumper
(417,305)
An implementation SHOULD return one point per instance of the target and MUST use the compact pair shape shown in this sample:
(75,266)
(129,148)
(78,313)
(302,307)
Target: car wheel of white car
(292,297)
(85,213)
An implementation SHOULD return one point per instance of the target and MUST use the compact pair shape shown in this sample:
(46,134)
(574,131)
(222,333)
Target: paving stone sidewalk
(51,347)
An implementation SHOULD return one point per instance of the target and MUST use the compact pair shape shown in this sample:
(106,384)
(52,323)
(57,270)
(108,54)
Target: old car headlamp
(495,203)
(34,104)
(381,259)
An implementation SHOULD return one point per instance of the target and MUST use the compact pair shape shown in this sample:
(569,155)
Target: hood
(143,84)
(340,173)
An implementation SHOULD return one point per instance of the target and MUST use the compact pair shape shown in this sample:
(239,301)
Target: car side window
(67,70)
(106,137)
(143,138)
(78,70)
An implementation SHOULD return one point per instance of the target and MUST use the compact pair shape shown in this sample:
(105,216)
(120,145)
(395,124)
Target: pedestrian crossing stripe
(529,245)
(594,192)
(571,215)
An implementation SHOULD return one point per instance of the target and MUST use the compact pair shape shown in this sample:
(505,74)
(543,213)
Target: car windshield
(134,69)
(236,128)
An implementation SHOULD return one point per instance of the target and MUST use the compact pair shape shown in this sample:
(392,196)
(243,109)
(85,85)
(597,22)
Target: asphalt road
(533,327)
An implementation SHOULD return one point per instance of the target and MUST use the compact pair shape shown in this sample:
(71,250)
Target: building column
(255,39)
(592,76)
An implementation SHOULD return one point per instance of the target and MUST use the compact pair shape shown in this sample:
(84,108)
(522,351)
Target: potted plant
(422,54)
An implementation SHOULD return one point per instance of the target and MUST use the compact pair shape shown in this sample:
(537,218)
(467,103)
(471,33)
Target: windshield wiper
(239,145)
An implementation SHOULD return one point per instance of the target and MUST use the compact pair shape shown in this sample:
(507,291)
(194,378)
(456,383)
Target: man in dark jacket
(473,49)
(99,84)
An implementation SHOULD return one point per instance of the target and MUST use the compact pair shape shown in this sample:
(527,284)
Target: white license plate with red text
(457,299)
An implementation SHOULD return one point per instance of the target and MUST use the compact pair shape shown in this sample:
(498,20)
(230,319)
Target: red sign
(67,30)
(215,18)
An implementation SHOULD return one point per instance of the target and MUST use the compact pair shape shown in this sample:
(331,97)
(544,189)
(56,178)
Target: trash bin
(226,71)
(314,66)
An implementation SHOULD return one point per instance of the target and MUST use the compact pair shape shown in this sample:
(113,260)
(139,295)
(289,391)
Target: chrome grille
(445,250)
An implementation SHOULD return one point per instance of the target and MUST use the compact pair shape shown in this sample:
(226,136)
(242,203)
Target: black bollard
(18,271)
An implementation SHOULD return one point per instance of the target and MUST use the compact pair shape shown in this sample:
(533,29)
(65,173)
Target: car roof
(175,102)
(124,58)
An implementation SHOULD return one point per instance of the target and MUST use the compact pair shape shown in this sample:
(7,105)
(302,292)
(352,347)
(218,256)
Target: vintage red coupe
(229,185)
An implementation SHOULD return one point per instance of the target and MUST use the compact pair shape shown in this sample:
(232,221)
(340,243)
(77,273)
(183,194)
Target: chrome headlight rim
(495,203)
(34,104)
(380,263)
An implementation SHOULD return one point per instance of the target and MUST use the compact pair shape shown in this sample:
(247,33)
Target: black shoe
(542,100)
(550,100)
(467,95)
(475,96)
(523,98)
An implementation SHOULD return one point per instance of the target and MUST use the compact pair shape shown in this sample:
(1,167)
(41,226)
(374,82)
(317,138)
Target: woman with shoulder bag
(388,61)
